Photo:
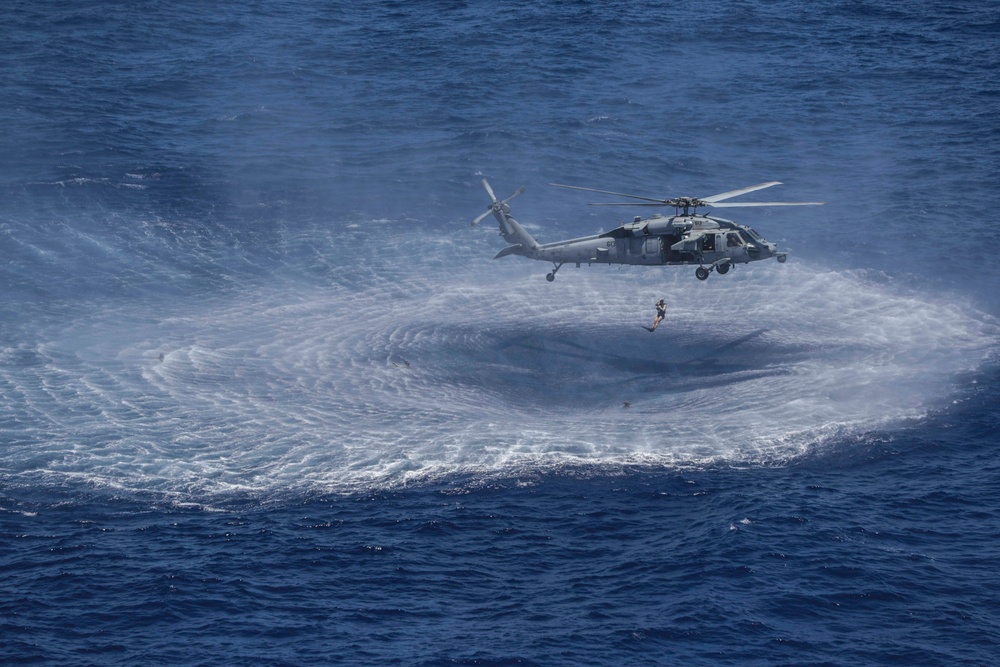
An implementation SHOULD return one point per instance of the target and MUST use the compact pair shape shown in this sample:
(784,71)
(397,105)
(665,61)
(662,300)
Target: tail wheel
(552,274)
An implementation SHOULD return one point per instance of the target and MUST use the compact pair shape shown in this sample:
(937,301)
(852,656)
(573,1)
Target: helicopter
(684,238)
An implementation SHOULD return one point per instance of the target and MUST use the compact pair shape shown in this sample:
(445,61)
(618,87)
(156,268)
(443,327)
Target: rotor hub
(686,203)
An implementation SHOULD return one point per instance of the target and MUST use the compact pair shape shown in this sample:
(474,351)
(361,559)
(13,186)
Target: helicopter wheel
(782,259)
(701,273)
(723,269)
(552,274)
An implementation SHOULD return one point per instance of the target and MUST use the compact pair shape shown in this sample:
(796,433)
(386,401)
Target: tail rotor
(498,207)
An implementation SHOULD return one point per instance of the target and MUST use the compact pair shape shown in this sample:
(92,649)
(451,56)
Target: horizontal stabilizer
(509,250)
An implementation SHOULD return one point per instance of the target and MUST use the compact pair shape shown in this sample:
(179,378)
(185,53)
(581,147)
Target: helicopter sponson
(685,238)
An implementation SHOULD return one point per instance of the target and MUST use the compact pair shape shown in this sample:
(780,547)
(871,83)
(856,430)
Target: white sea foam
(395,374)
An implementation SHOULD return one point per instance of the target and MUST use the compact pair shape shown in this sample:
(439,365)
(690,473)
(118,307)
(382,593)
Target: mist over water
(412,366)
(264,395)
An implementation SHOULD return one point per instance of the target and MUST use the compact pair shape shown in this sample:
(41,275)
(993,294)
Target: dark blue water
(267,400)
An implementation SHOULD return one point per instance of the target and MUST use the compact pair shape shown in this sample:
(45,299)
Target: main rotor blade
(608,192)
(734,204)
(741,191)
(618,203)
(713,200)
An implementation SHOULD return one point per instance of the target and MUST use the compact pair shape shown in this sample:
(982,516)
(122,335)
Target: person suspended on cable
(661,312)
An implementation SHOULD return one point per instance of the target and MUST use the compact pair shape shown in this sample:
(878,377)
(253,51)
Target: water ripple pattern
(416,373)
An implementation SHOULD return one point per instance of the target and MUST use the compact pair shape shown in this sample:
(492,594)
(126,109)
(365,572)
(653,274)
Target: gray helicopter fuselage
(669,240)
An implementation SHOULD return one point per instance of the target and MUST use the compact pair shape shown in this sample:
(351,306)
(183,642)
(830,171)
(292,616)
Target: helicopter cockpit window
(746,237)
(733,240)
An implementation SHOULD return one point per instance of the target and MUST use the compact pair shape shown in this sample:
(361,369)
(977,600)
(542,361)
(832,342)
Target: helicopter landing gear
(781,257)
(722,266)
(551,275)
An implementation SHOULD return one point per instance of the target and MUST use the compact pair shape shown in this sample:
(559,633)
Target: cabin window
(708,243)
(733,240)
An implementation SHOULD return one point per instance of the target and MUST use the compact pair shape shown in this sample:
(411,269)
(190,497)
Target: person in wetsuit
(661,312)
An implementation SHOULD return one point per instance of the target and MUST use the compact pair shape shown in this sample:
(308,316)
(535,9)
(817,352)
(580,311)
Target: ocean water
(265,398)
